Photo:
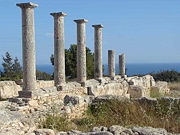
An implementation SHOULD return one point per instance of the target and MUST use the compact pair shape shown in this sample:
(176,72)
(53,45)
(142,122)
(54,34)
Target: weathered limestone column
(98,69)
(111,63)
(81,50)
(59,56)
(28,43)
(122,64)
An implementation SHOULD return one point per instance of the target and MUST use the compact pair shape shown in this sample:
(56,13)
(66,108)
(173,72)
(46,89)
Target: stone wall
(23,115)
(142,86)
(9,89)
(134,87)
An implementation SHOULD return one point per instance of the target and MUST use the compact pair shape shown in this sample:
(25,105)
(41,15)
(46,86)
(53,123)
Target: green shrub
(155,94)
(43,75)
(168,76)
(57,122)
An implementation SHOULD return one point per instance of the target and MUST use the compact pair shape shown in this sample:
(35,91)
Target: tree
(7,65)
(17,69)
(43,75)
(12,69)
(168,76)
(71,61)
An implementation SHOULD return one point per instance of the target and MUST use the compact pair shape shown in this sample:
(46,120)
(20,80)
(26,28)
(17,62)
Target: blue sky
(147,31)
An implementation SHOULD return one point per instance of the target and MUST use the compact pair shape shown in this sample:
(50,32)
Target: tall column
(98,69)
(81,50)
(111,63)
(28,46)
(59,56)
(122,64)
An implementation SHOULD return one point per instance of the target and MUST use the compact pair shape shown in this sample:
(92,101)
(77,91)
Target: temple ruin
(28,43)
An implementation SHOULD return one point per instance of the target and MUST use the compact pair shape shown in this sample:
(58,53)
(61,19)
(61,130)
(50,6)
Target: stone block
(161,87)
(138,91)
(90,91)
(44,132)
(25,94)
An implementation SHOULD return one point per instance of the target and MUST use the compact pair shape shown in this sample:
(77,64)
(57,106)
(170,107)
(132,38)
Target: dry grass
(174,85)
(122,113)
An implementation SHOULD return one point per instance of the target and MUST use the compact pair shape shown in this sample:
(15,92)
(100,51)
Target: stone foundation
(134,87)
(9,89)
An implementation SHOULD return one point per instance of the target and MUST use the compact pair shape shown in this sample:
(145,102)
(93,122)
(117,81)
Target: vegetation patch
(168,76)
(174,86)
(124,113)
(56,122)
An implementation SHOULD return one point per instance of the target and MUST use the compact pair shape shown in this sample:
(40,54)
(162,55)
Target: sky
(147,31)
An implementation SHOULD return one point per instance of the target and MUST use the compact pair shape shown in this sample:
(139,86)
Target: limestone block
(149,131)
(44,132)
(30,134)
(62,133)
(145,81)
(33,103)
(92,82)
(116,129)
(161,87)
(100,133)
(112,88)
(73,100)
(101,128)
(138,91)
(9,89)
(44,84)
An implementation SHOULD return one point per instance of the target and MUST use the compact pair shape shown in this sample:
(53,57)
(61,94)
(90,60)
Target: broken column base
(25,94)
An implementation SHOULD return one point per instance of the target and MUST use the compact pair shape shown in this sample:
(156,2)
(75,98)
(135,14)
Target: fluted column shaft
(28,46)
(81,50)
(111,63)
(59,56)
(98,69)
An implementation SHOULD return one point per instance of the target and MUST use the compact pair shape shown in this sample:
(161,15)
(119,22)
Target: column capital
(98,26)
(27,5)
(58,14)
(111,51)
(81,21)
(121,54)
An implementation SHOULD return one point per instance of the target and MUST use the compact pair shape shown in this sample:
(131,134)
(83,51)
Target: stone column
(59,56)
(81,50)
(98,69)
(111,63)
(122,64)
(28,46)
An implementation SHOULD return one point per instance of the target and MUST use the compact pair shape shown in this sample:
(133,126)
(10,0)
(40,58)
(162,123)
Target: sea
(131,69)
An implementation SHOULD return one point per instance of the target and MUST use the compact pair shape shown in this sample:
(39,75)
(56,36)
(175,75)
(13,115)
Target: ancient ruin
(81,50)
(28,43)
(98,69)
(59,56)
(122,68)
(111,63)
(28,101)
